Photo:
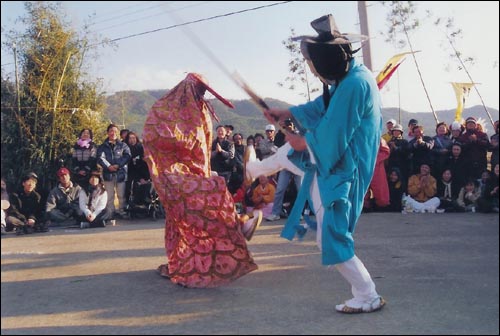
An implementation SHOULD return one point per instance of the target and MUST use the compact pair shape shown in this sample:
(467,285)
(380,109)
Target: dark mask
(331,61)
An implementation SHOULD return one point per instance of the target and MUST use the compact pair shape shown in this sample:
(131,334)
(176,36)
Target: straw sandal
(375,305)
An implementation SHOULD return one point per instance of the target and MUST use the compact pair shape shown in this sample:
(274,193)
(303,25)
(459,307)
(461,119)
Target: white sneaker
(273,217)
(252,224)
(84,225)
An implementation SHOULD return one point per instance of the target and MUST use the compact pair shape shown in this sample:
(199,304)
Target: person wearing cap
(92,201)
(389,125)
(456,130)
(113,156)
(61,208)
(25,210)
(267,147)
(343,129)
(399,156)
(412,123)
(474,149)
(201,223)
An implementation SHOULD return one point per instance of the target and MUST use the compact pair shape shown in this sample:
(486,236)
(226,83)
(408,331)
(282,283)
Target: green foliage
(56,99)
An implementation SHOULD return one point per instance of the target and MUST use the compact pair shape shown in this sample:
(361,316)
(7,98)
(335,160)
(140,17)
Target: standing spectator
(5,204)
(84,157)
(138,170)
(258,138)
(113,156)
(378,192)
(420,148)
(25,212)
(123,134)
(457,164)
(285,177)
(411,124)
(494,146)
(62,203)
(229,132)
(456,130)
(441,149)
(387,136)
(222,159)
(237,176)
(399,156)
(92,203)
(422,189)
(474,146)
(266,146)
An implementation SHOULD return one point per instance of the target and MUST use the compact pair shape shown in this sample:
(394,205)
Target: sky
(248,40)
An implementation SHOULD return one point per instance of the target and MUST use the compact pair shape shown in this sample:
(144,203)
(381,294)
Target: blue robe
(344,141)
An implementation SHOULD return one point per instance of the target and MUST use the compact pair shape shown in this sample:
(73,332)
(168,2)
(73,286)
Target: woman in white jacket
(93,202)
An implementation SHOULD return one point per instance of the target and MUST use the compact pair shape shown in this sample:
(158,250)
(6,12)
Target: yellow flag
(462,91)
(389,68)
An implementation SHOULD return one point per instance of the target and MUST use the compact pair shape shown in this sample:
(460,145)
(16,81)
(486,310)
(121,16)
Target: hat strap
(326,96)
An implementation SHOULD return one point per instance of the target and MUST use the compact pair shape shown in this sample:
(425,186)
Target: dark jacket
(25,206)
(109,154)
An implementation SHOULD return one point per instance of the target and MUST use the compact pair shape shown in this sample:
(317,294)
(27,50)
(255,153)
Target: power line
(191,22)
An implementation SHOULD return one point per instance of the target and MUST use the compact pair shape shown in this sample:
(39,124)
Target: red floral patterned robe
(203,239)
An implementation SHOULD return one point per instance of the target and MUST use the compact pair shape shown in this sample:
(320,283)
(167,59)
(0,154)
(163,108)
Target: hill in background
(130,108)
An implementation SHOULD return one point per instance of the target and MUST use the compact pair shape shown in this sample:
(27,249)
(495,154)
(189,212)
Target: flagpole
(470,77)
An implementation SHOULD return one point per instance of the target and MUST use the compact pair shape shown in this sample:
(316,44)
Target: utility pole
(363,20)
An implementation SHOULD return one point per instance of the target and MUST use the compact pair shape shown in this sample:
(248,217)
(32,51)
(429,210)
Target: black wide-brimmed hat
(328,33)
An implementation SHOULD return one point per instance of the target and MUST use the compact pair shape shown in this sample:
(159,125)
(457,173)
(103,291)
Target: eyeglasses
(269,130)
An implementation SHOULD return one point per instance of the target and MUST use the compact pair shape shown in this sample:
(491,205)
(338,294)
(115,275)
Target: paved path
(438,273)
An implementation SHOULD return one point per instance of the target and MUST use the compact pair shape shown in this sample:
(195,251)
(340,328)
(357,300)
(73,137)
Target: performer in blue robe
(336,153)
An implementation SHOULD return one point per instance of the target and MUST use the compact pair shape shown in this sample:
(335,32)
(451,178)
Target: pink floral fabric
(203,239)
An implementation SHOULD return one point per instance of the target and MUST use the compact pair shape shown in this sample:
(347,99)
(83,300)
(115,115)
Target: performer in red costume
(204,236)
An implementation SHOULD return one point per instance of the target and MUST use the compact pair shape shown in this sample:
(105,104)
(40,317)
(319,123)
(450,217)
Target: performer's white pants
(353,270)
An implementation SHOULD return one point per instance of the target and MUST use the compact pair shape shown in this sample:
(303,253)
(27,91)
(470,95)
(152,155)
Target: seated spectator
(93,202)
(447,191)
(25,209)
(263,196)
(488,202)
(468,196)
(397,188)
(422,190)
(84,158)
(62,203)
(5,204)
